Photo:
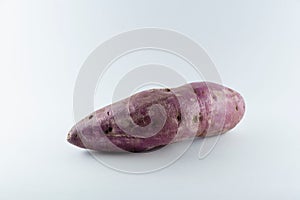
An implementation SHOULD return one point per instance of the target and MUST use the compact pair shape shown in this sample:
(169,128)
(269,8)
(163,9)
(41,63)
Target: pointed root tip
(73,138)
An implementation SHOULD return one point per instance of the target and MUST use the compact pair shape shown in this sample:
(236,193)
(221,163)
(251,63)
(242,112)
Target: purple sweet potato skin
(220,109)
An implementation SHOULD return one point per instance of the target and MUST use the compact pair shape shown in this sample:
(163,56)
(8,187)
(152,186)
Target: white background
(255,46)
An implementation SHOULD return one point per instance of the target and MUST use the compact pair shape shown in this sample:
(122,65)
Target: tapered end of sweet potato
(74,138)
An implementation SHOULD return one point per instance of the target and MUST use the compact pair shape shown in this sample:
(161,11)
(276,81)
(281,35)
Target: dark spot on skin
(202,92)
(75,136)
(201,117)
(214,97)
(236,108)
(167,89)
(108,130)
(107,113)
(195,91)
(230,90)
(179,118)
(91,116)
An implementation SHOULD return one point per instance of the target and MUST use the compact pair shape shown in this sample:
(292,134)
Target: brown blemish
(214,97)
(230,90)
(167,89)
(179,118)
(91,116)
(107,113)
(236,108)
(108,130)
(201,117)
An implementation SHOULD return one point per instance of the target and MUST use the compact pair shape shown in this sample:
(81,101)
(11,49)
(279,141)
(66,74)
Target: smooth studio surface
(255,46)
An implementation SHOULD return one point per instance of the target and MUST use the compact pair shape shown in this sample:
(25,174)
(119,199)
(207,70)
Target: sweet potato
(219,110)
